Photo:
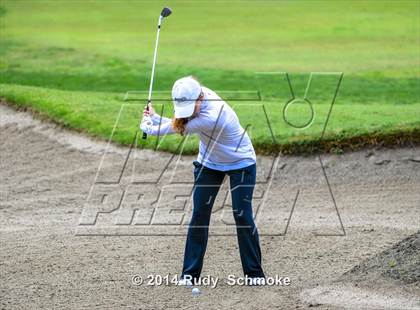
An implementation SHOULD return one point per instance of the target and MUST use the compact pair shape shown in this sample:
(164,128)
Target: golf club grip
(144,137)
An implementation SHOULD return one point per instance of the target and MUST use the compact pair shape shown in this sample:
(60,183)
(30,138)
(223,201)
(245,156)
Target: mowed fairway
(74,61)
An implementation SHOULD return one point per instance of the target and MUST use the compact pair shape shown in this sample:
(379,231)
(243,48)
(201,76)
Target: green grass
(72,62)
(105,115)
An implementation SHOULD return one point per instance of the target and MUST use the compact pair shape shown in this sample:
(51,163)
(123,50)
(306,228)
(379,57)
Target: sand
(52,256)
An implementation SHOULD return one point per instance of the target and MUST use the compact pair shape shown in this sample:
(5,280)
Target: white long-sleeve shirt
(224,144)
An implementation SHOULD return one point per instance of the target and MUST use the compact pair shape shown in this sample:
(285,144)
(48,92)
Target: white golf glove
(146,123)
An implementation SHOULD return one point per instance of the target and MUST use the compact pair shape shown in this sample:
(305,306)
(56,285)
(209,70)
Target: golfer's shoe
(185,282)
(256,281)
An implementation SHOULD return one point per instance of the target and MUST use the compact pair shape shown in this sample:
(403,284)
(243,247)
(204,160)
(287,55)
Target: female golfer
(225,149)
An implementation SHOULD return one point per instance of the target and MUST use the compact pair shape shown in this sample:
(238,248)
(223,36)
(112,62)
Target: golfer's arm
(157,130)
(157,119)
(197,125)
(165,127)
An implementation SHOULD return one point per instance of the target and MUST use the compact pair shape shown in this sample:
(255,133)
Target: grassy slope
(83,57)
(96,113)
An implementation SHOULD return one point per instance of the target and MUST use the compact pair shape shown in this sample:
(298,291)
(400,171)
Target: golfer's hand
(149,112)
(146,124)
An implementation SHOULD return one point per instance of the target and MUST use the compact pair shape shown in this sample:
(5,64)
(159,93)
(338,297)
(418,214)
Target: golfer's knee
(243,219)
(200,217)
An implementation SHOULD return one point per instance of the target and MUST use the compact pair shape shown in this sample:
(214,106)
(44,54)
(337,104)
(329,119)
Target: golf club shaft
(149,99)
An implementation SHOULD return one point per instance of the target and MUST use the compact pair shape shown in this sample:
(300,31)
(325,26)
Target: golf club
(165,13)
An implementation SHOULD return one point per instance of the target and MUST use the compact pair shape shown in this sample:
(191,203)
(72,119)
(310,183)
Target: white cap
(185,93)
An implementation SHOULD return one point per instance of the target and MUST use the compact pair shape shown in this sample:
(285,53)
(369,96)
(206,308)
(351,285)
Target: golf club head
(166,12)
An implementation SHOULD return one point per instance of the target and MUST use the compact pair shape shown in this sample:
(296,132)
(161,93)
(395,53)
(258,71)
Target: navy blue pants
(206,186)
